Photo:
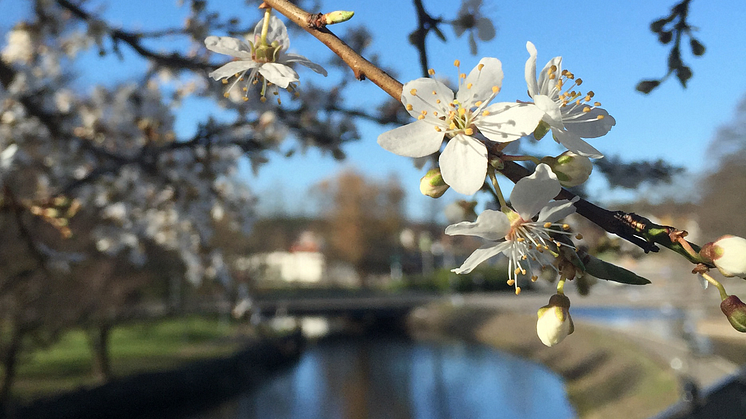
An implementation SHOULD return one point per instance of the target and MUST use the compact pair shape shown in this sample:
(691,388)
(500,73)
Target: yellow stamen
(457,63)
(469,85)
(547,225)
(565,227)
(579,236)
(600,117)
(225,81)
(485,113)
(409,106)
(413,92)
(517,290)
(421,117)
(480,67)
(469,131)
(431,72)
(495,89)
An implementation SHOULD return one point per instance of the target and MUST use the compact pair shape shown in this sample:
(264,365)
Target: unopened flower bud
(432,184)
(338,16)
(570,168)
(728,254)
(554,322)
(735,310)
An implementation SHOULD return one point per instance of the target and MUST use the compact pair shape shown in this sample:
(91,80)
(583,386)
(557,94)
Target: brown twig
(361,67)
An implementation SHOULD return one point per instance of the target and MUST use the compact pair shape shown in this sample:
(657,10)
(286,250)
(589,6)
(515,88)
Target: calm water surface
(398,378)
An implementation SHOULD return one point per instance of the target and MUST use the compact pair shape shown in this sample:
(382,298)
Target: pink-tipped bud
(735,310)
(554,323)
(728,254)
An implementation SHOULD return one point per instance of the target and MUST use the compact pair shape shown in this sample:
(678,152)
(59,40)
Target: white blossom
(441,114)
(266,63)
(514,233)
(570,114)
(470,19)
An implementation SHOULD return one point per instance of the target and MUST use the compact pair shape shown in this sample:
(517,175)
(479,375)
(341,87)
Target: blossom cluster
(475,129)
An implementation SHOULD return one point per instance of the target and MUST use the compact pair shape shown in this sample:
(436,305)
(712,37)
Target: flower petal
(490,225)
(532,193)
(576,144)
(423,94)
(228,46)
(552,112)
(548,85)
(463,164)
(588,124)
(232,68)
(417,139)
(279,74)
(508,121)
(557,210)
(481,81)
(295,58)
(530,72)
(276,32)
(480,255)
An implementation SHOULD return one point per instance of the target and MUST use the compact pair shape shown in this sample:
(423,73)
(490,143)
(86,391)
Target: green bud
(541,130)
(735,310)
(338,16)
(432,184)
(570,168)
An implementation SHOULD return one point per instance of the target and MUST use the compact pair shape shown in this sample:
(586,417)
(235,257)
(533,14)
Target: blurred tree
(723,200)
(364,219)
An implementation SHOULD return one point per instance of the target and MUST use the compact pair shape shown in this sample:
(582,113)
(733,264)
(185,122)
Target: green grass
(134,348)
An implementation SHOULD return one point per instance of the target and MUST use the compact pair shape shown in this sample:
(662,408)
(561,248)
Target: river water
(393,377)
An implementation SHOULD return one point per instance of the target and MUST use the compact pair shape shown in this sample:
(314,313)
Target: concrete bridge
(355,306)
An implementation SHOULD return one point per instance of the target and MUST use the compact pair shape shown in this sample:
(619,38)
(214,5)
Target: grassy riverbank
(135,348)
(606,376)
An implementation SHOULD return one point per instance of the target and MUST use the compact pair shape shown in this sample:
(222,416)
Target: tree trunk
(10,358)
(98,338)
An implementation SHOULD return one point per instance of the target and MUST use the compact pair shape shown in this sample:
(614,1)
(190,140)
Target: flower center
(460,119)
(566,96)
(263,53)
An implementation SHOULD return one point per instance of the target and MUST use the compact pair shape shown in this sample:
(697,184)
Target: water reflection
(398,378)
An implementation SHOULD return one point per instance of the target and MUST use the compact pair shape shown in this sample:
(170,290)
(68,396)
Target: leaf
(610,272)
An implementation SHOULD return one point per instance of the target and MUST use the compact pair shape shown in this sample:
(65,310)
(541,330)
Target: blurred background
(151,224)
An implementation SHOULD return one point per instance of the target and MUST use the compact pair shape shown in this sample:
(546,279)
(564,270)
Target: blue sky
(608,44)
